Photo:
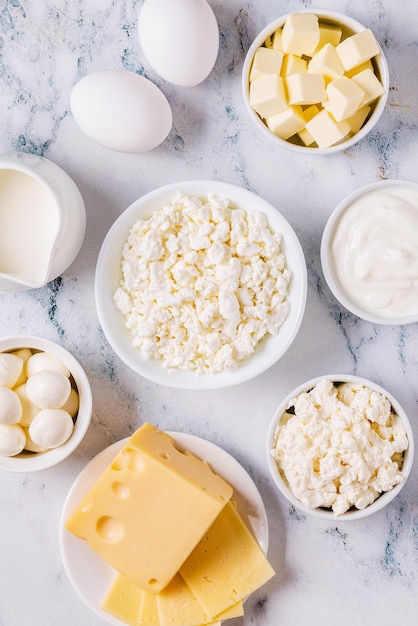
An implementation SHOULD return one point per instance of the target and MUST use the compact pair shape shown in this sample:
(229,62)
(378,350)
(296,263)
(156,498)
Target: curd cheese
(340,446)
(202,283)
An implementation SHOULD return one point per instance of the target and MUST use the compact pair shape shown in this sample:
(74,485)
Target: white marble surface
(365,572)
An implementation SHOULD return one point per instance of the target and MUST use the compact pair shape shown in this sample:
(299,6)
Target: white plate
(108,275)
(90,575)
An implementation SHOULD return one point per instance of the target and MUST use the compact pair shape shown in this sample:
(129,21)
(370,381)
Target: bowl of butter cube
(315,81)
(340,447)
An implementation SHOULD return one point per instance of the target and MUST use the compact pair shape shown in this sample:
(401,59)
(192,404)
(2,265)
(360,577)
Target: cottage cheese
(340,446)
(202,284)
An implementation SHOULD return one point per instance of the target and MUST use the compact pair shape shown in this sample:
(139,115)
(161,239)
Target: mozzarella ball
(51,428)
(48,389)
(11,367)
(12,439)
(72,404)
(30,445)
(45,361)
(29,409)
(10,406)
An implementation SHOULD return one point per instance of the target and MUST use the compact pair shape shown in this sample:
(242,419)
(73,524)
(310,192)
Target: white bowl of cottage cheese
(200,285)
(340,447)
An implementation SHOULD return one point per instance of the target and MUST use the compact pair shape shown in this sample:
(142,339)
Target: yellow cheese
(178,606)
(148,611)
(123,600)
(150,508)
(227,565)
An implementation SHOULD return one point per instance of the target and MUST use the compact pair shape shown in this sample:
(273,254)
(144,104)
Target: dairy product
(340,446)
(374,251)
(51,428)
(42,402)
(48,389)
(11,367)
(123,600)
(150,508)
(227,565)
(300,33)
(12,439)
(339,74)
(202,283)
(357,49)
(10,406)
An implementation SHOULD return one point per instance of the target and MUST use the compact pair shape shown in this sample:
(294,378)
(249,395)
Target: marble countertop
(363,572)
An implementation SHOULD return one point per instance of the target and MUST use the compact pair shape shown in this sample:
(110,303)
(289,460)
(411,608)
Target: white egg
(180,39)
(121,110)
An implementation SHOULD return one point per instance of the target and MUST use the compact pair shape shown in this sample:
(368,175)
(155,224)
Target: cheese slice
(227,565)
(150,508)
(148,611)
(123,600)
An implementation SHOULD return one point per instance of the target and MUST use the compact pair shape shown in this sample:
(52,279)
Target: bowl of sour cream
(369,252)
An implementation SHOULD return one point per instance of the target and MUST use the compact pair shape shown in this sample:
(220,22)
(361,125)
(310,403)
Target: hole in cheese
(121,490)
(164,455)
(109,529)
(152,582)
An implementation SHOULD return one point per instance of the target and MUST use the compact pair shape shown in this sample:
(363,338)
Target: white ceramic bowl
(32,461)
(325,513)
(349,26)
(355,294)
(108,274)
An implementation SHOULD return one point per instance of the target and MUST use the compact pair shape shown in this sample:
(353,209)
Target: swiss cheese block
(227,565)
(150,508)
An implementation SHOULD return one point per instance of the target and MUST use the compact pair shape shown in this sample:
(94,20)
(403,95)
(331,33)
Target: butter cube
(304,134)
(325,130)
(328,33)
(268,95)
(287,123)
(305,88)
(367,65)
(326,62)
(357,120)
(300,33)
(276,39)
(344,97)
(370,84)
(293,64)
(266,61)
(357,49)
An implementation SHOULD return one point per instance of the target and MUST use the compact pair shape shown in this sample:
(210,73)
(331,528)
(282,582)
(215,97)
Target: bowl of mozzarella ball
(315,81)
(340,447)
(45,403)
(200,285)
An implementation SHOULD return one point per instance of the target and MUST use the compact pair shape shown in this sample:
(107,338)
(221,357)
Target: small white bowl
(325,513)
(32,461)
(348,293)
(349,26)
(108,275)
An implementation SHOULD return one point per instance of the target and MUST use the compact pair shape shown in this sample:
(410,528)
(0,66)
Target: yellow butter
(293,64)
(325,130)
(357,120)
(370,84)
(326,62)
(268,95)
(344,98)
(287,123)
(300,33)
(328,33)
(227,565)
(266,61)
(150,508)
(305,88)
(357,49)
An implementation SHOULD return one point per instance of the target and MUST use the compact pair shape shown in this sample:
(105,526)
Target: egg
(121,110)
(179,38)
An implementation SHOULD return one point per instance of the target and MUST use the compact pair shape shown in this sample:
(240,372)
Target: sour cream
(374,250)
